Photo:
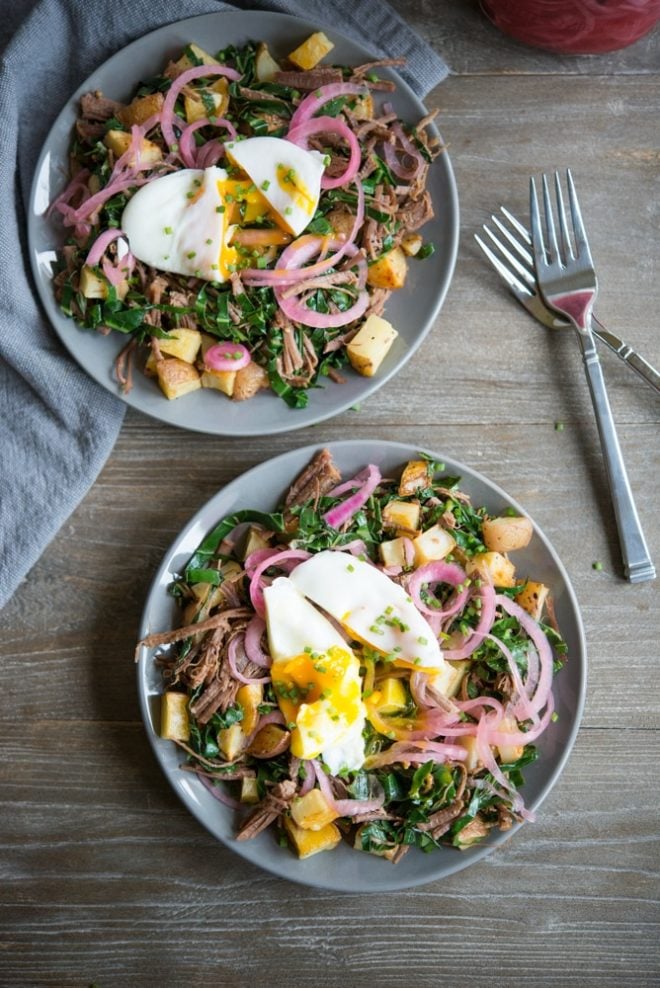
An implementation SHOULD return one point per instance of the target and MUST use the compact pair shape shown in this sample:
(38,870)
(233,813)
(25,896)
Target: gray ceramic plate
(412,311)
(345,869)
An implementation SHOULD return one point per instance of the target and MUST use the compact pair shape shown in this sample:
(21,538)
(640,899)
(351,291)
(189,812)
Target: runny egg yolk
(320,693)
(289,180)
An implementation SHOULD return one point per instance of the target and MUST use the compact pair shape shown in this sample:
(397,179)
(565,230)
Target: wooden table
(106,878)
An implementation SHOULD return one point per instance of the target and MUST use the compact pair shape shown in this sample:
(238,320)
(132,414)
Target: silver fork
(568,284)
(516,268)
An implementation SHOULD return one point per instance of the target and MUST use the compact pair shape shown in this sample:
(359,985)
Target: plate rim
(463,859)
(371,385)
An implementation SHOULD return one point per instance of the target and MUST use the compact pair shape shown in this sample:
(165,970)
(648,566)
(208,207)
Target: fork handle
(626,353)
(637,563)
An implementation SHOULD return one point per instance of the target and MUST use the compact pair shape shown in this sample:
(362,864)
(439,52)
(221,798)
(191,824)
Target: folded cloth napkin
(57,426)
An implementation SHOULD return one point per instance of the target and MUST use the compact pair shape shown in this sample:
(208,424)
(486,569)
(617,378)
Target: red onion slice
(344,807)
(227,356)
(253,635)
(288,556)
(236,644)
(296,310)
(316,100)
(300,136)
(439,572)
(534,632)
(168,117)
(487,596)
(369,479)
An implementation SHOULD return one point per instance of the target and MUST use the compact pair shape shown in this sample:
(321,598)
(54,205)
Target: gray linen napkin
(57,426)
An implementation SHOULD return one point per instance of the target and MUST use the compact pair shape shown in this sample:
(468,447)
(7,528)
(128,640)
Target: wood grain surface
(106,878)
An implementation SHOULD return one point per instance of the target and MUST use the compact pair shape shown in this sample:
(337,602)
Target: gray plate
(412,310)
(345,869)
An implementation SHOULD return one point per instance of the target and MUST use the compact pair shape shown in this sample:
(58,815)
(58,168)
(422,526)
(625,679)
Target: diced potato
(250,696)
(249,380)
(174,717)
(254,540)
(270,741)
(415,475)
(411,244)
(119,141)
(308,842)
(433,544)
(533,598)
(471,834)
(370,345)
(182,343)
(219,380)
(265,65)
(249,790)
(140,109)
(393,553)
(150,365)
(185,62)
(494,565)
(364,107)
(448,680)
(93,286)
(389,271)
(509,752)
(391,696)
(232,741)
(507,534)
(310,52)
(469,742)
(196,107)
(312,811)
(341,221)
(402,515)
(177,378)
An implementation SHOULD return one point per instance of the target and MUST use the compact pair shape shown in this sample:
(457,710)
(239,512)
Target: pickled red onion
(100,245)
(312,103)
(296,310)
(299,136)
(344,807)
(438,572)
(190,154)
(289,557)
(167,114)
(369,479)
(253,635)
(227,356)
(486,594)
(542,693)
(238,642)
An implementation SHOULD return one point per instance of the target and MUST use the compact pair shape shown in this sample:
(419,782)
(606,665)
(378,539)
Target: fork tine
(517,246)
(563,227)
(517,225)
(536,230)
(524,273)
(581,242)
(504,272)
(550,223)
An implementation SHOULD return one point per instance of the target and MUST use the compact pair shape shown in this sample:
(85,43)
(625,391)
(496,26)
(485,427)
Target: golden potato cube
(370,345)
(308,842)
(254,540)
(507,534)
(415,475)
(119,141)
(492,565)
(393,553)
(150,365)
(469,742)
(249,380)
(140,109)
(93,286)
(389,271)
(185,62)
(232,741)
(196,108)
(265,65)
(249,790)
(182,343)
(533,598)
(448,680)
(391,696)
(411,244)
(509,752)
(250,696)
(220,380)
(310,52)
(176,377)
(312,811)
(402,515)
(364,107)
(433,544)
(174,717)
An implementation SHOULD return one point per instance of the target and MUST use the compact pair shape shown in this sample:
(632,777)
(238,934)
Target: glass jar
(577,27)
